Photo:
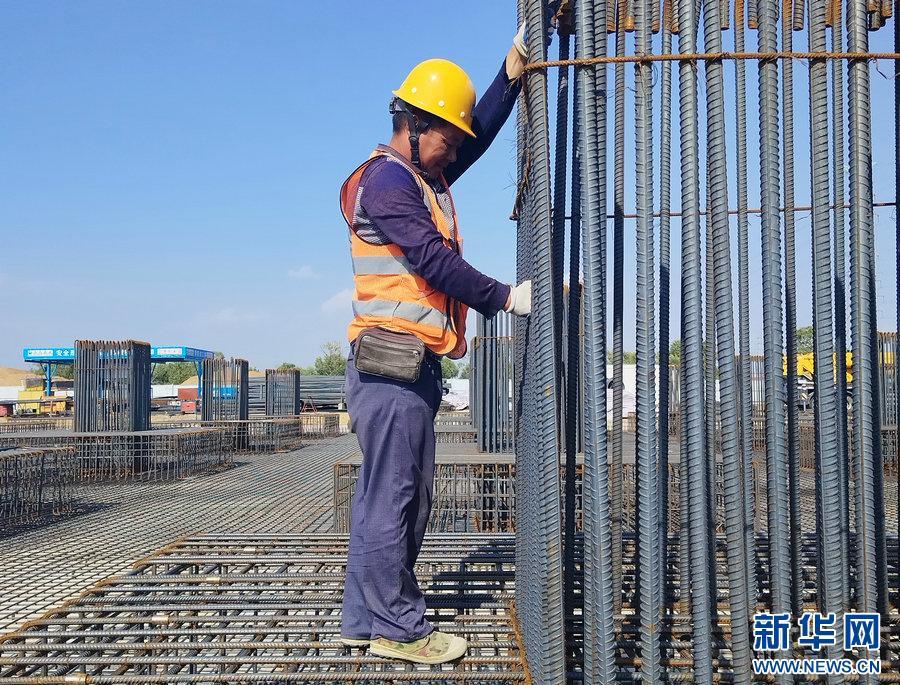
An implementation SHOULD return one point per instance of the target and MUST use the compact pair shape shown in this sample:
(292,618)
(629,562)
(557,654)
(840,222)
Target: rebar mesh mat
(290,493)
(265,608)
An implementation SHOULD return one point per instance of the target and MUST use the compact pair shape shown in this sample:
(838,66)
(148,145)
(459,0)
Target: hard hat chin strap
(412,123)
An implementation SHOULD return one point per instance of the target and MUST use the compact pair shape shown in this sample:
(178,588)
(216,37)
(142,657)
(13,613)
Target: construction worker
(413,290)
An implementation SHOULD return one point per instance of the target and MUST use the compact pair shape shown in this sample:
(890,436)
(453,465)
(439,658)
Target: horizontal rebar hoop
(714,57)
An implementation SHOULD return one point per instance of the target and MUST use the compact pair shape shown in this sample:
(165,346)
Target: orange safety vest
(388,294)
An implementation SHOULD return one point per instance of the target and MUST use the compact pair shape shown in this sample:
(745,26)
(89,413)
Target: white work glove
(520,299)
(519,42)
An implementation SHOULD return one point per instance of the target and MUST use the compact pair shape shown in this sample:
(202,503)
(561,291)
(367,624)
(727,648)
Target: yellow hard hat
(442,88)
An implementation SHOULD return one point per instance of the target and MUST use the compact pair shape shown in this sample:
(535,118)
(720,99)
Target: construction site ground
(242,543)
(288,492)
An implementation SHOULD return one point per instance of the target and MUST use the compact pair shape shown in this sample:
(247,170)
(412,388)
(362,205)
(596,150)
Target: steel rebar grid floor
(265,608)
(117,524)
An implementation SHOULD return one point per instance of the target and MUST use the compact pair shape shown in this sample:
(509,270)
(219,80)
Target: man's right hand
(519,302)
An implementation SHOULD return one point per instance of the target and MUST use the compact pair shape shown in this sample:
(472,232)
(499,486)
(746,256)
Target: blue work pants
(394,423)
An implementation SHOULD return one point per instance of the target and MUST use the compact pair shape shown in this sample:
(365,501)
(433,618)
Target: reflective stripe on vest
(380,265)
(409,311)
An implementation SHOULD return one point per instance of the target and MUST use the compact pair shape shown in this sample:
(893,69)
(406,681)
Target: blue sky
(170,170)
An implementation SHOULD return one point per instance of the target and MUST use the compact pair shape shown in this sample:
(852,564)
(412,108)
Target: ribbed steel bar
(744,304)
(618,340)
(590,106)
(790,300)
(776,464)
(692,348)
(828,465)
(545,648)
(717,190)
(573,360)
(665,278)
(524,393)
(866,420)
(559,206)
(840,306)
(645,402)
(896,362)
(709,378)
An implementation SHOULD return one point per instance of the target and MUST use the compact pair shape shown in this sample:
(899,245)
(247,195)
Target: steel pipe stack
(225,390)
(112,386)
(780,504)
(316,392)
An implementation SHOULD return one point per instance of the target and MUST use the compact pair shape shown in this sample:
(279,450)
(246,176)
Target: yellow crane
(805,365)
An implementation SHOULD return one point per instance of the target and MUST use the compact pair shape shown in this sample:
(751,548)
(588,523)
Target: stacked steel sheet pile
(776,511)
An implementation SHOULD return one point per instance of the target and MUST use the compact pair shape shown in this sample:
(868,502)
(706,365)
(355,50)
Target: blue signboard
(66,355)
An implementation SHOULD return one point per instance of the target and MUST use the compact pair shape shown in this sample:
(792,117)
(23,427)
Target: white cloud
(339,302)
(303,273)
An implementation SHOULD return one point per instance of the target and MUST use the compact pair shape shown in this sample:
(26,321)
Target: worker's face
(438,146)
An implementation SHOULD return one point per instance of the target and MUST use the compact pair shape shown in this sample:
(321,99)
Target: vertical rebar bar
(776,466)
(559,200)
(718,220)
(646,515)
(790,306)
(573,359)
(709,377)
(615,489)
(524,393)
(664,301)
(693,511)
(866,420)
(599,647)
(744,306)
(828,518)
(840,306)
(546,647)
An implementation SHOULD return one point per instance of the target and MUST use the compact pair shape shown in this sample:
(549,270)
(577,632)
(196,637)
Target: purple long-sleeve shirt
(391,209)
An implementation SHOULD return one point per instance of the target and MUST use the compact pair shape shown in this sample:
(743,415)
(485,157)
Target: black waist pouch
(397,356)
